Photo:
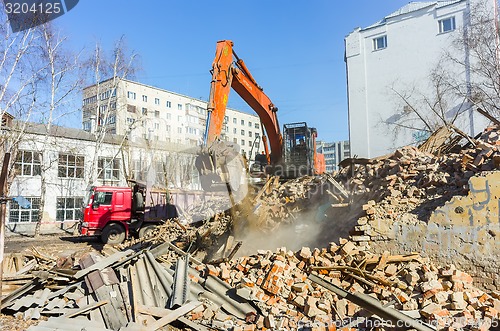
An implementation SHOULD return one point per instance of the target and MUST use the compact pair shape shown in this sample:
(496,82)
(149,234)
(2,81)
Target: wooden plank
(64,290)
(135,299)
(85,309)
(125,292)
(113,313)
(104,263)
(395,258)
(168,315)
(383,261)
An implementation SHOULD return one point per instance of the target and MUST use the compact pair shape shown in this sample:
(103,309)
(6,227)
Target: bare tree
(479,40)
(430,110)
(61,82)
(466,75)
(107,73)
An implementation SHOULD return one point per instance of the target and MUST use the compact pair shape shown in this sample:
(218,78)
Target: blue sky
(295,49)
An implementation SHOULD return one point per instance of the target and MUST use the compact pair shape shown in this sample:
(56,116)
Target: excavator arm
(219,163)
(226,74)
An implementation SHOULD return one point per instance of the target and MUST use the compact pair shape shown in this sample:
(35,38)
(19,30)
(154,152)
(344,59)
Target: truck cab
(115,213)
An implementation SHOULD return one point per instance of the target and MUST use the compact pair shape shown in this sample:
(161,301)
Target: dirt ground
(55,245)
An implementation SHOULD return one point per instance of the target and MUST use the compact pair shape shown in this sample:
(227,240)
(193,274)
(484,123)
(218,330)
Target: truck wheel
(146,230)
(113,234)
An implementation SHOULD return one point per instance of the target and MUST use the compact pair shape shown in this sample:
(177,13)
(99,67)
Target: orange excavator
(288,155)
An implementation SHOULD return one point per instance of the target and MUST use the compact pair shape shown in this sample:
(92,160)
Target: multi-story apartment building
(394,58)
(137,110)
(334,153)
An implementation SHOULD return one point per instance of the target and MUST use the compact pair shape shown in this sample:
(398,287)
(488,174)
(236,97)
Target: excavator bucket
(222,168)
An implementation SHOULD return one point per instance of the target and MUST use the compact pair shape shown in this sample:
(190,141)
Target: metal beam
(374,306)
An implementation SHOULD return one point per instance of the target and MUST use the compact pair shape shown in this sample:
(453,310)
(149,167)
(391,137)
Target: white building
(334,153)
(71,160)
(140,111)
(396,56)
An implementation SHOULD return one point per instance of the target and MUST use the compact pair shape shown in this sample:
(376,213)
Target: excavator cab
(298,150)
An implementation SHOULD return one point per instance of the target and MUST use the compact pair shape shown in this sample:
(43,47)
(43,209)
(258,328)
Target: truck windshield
(103,198)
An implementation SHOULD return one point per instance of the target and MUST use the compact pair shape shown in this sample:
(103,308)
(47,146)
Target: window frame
(20,165)
(376,44)
(106,173)
(31,212)
(74,170)
(63,208)
(441,24)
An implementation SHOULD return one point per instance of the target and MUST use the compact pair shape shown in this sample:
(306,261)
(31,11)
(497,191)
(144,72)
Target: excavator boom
(218,162)
(227,74)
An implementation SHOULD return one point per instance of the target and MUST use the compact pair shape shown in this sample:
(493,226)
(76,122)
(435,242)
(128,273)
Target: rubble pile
(138,289)
(409,184)
(202,238)
(205,210)
(278,284)
(281,203)
(413,175)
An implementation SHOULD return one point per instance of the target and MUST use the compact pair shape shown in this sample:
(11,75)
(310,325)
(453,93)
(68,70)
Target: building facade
(132,109)
(69,161)
(390,62)
(334,153)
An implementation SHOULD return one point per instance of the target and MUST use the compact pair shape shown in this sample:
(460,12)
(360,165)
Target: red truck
(115,213)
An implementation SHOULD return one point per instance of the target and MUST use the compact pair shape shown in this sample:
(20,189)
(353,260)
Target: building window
(157,101)
(168,128)
(242,132)
(235,130)
(131,95)
(447,24)
(69,209)
(234,120)
(145,98)
(179,130)
(169,104)
(250,124)
(257,125)
(169,116)
(242,142)
(108,169)
(157,113)
(179,106)
(157,126)
(111,119)
(144,111)
(250,134)
(130,120)
(87,126)
(70,166)
(28,163)
(90,100)
(131,109)
(380,43)
(242,122)
(18,214)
